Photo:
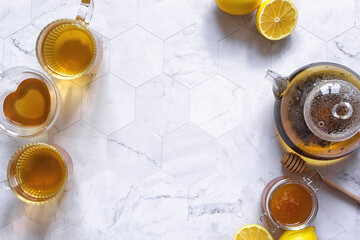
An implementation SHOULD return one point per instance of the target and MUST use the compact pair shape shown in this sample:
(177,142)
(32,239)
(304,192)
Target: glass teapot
(317,110)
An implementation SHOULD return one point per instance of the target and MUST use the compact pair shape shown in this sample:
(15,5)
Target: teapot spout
(280,83)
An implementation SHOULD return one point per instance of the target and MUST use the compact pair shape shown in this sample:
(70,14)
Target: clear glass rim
(41,37)
(53,88)
(12,181)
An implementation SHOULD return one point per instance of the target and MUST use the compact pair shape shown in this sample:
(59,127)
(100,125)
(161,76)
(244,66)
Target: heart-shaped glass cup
(31,103)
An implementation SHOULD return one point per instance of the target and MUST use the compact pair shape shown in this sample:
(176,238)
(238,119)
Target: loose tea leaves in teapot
(331,128)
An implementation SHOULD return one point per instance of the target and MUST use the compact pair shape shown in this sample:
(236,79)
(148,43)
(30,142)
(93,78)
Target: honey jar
(290,203)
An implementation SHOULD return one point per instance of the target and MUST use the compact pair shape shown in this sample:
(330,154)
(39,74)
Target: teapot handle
(85,11)
(280,83)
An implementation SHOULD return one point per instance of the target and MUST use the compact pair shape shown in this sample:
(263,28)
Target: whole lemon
(238,7)
(304,234)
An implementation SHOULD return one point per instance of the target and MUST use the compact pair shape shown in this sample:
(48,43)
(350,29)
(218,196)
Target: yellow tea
(40,172)
(68,49)
(29,105)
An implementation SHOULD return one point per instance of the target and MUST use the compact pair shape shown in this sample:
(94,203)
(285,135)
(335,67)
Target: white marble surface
(173,137)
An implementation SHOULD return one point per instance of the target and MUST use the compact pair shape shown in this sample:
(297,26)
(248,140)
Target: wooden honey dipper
(296,164)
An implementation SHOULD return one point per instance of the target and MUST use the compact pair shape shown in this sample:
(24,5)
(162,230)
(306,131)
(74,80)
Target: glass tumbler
(10,80)
(38,173)
(68,48)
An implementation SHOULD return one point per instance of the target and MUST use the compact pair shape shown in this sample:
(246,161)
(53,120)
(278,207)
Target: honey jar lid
(332,110)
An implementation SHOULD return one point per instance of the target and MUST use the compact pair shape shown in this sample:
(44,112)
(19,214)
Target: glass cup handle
(85,11)
(276,227)
(4,185)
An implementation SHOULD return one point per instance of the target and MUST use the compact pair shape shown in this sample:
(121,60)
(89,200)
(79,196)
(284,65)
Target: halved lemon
(253,232)
(276,19)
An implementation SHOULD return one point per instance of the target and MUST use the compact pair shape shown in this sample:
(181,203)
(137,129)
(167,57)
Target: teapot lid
(332,110)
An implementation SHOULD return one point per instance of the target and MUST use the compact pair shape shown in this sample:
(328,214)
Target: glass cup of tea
(29,102)
(38,173)
(67,48)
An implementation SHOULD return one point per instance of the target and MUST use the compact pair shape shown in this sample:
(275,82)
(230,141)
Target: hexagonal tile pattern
(23,228)
(134,153)
(346,173)
(259,103)
(189,154)
(112,18)
(330,18)
(1,50)
(14,16)
(112,198)
(357,13)
(216,105)
(172,136)
(213,211)
(244,57)
(19,48)
(47,136)
(162,105)
(77,231)
(152,200)
(344,50)
(61,211)
(136,56)
(325,221)
(213,21)
(301,48)
(350,234)
(87,148)
(235,149)
(8,147)
(108,104)
(215,194)
(35,214)
(190,56)
(165,18)
(14,211)
(103,67)
(70,104)
(215,226)
(43,12)
(222,196)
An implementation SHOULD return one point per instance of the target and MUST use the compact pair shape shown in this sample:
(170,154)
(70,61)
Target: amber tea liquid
(40,173)
(29,105)
(68,49)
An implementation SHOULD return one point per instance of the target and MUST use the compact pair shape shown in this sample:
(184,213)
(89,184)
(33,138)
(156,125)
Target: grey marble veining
(173,136)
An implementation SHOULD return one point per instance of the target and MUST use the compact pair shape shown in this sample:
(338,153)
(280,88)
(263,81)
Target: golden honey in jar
(290,203)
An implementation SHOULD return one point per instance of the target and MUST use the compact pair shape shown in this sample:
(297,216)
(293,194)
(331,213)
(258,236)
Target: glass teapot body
(291,94)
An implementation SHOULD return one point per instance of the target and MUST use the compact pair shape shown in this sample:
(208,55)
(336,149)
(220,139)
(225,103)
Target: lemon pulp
(253,232)
(276,19)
